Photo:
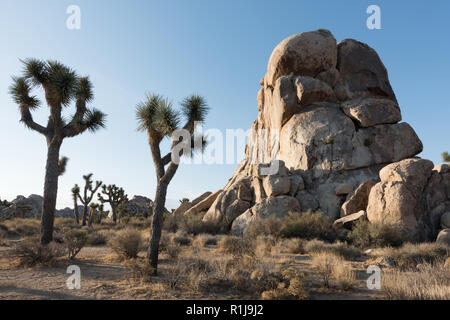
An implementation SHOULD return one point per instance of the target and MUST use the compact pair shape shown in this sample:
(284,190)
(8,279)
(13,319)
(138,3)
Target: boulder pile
(329,122)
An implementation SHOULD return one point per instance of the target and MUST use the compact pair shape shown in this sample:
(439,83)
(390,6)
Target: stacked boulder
(328,115)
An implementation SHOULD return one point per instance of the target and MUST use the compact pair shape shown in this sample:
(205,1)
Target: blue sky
(219,49)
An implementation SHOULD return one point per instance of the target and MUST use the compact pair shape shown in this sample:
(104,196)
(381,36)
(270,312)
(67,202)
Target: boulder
(307,201)
(296,184)
(276,185)
(272,206)
(203,205)
(362,73)
(185,206)
(444,237)
(348,221)
(308,54)
(358,199)
(343,189)
(370,111)
(235,209)
(445,220)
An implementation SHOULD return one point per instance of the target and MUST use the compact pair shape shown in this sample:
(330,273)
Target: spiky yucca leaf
(35,70)
(145,112)
(166,118)
(75,191)
(84,89)
(195,108)
(95,119)
(62,165)
(20,91)
(62,82)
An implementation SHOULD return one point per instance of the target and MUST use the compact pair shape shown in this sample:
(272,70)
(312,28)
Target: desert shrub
(203,240)
(173,251)
(331,266)
(236,246)
(292,245)
(366,234)
(343,275)
(191,224)
(338,248)
(181,239)
(61,223)
(277,294)
(297,283)
(75,240)
(23,227)
(126,243)
(140,271)
(410,255)
(31,253)
(4,232)
(99,238)
(306,225)
(430,282)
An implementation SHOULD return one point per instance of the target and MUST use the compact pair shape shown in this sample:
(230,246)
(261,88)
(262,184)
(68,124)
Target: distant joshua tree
(61,86)
(92,208)
(88,194)
(445,156)
(184,200)
(159,120)
(115,196)
(75,194)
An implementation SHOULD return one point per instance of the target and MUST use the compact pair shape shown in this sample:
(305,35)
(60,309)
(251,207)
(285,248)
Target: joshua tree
(445,156)
(61,86)
(92,208)
(184,200)
(75,193)
(115,196)
(101,212)
(87,198)
(157,117)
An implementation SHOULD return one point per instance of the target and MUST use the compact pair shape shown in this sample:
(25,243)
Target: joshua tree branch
(27,119)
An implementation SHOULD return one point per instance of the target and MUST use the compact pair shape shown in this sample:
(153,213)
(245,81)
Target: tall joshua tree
(61,86)
(113,195)
(88,194)
(159,119)
(75,193)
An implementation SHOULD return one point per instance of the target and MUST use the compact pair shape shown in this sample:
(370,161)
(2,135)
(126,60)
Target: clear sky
(217,48)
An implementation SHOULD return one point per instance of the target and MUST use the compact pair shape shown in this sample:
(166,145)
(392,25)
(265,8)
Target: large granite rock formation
(328,115)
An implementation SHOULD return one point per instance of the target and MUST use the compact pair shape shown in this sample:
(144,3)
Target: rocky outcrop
(444,237)
(412,196)
(328,115)
(350,219)
(204,204)
(358,199)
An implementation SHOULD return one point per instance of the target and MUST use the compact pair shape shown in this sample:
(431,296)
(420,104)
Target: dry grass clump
(293,246)
(75,240)
(344,250)
(430,282)
(126,243)
(181,239)
(191,224)
(366,234)
(306,225)
(333,267)
(100,237)
(203,240)
(409,256)
(61,223)
(30,253)
(23,227)
(292,286)
(140,270)
(236,246)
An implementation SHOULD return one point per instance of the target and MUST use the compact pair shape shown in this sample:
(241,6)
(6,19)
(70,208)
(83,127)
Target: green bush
(366,234)
(75,240)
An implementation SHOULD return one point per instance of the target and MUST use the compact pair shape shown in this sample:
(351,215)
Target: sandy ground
(103,277)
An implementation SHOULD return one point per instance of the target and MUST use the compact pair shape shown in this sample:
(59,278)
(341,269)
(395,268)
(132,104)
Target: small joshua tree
(113,195)
(75,193)
(88,194)
(92,209)
(445,156)
(61,86)
(159,120)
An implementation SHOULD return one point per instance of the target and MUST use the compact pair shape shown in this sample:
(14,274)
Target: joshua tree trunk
(160,200)
(91,217)
(75,210)
(114,214)
(85,213)
(50,191)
